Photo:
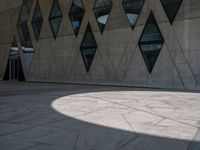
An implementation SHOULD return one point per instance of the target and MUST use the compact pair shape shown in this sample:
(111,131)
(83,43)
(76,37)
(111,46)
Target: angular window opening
(23,20)
(76,15)
(28,4)
(55,17)
(24,34)
(132,9)
(88,47)
(14,69)
(102,9)
(37,21)
(151,42)
(171,8)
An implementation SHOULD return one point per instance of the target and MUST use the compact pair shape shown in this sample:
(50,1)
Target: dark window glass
(23,31)
(37,21)
(14,43)
(14,51)
(14,69)
(88,47)
(23,18)
(24,35)
(132,9)
(151,42)
(171,8)
(55,17)
(22,23)
(76,15)
(28,4)
(102,9)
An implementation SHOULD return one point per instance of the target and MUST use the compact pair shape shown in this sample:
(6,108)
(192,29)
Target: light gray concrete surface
(35,116)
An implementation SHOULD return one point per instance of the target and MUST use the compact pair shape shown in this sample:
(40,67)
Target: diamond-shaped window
(28,4)
(23,31)
(76,15)
(22,26)
(88,47)
(171,8)
(102,9)
(132,9)
(55,17)
(37,21)
(151,42)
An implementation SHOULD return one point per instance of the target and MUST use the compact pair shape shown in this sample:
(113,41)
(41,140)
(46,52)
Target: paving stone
(65,117)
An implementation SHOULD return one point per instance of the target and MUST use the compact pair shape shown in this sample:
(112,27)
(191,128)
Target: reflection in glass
(171,8)
(55,17)
(102,9)
(23,32)
(37,21)
(88,47)
(151,42)
(14,51)
(132,9)
(76,15)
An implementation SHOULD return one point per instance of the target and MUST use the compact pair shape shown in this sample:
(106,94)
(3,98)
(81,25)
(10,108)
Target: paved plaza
(38,116)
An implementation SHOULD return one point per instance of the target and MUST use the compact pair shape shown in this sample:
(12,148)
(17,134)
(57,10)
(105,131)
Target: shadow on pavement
(70,117)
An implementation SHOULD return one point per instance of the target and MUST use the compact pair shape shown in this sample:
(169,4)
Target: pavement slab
(41,116)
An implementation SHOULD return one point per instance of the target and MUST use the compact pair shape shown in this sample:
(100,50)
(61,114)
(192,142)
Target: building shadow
(29,121)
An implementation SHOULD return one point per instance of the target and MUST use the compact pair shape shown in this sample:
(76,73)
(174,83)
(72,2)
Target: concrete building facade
(106,49)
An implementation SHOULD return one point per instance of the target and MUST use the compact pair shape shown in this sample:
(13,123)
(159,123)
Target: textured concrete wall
(118,59)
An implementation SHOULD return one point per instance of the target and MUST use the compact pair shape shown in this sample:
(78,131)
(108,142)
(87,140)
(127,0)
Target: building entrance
(14,69)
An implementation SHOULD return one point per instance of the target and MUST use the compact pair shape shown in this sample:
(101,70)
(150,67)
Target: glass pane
(88,47)
(28,59)
(132,9)
(102,9)
(24,34)
(23,31)
(37,21)
(76,15)
(55,18)
(151,42)
(23,15)
(151,31)
(14,51)
(171,8)
(55,11)
(55,23)
(88,55)
(28,4)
